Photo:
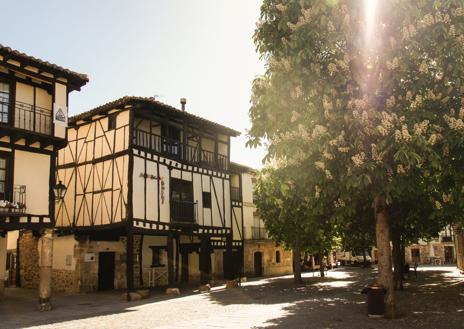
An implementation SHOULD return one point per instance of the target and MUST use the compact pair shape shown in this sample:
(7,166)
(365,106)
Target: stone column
(3,247)
(45,247)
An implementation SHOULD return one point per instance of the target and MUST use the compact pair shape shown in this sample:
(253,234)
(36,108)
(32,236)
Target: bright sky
(198,49)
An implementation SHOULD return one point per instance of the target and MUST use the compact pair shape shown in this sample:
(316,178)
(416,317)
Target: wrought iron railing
(13,200)
(176,149)
(183,211)
(235,194)
(26,116)
(258,233)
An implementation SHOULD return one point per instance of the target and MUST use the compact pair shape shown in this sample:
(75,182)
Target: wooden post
(177,258)
(130,260)
(205,259)
(3,247)
(45,247)
(228,261)
(170,261)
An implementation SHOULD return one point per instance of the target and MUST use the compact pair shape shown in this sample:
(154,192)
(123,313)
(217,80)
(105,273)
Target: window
(415,253)
(4,102)
(182,205)
(4,178)
(156,256)
(111,121)
(277,256)
(171,140)
(206,199)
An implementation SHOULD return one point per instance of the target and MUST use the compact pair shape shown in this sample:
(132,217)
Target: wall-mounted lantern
(59,190)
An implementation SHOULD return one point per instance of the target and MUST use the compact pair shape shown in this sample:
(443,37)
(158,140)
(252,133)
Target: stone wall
(268,249)
(28,260)
(64,281)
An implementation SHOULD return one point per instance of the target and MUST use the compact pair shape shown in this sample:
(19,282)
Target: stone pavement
(434,300)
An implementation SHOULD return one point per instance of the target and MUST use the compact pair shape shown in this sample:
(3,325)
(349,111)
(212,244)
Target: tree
(368,93)
(289,214)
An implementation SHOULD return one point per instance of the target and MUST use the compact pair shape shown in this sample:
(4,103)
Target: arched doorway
(258,263)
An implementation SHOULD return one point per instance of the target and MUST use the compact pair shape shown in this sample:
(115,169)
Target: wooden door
(258,263)
(184,277)
(449,255)
(106,271)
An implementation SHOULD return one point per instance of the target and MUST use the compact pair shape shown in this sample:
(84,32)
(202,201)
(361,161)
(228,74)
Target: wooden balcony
(177,150)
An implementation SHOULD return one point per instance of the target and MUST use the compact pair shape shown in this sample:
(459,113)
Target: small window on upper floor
(206,199)
(277,256)
(111,121)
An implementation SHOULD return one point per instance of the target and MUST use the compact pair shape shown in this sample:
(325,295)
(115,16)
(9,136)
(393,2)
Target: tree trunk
(322,264)
(382,232)
(296,263)
(397,263)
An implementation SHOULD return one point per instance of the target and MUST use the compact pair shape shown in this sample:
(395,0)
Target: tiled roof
(133,100)
(82,79)
(237,167)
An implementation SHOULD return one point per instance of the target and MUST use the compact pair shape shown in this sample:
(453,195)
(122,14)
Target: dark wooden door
(449,254)
(106,271)
(258,262)
(185,268)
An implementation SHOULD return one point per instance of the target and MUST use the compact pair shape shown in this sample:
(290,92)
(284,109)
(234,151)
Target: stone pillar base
(45,305)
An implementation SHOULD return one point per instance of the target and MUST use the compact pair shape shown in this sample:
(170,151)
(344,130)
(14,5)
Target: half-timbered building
(259,254)
(148,198)
(33,118)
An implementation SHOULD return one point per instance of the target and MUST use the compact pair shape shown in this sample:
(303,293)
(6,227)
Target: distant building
(436,252)
(261,255)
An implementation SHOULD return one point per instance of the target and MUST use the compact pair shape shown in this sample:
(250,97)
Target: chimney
(183,101)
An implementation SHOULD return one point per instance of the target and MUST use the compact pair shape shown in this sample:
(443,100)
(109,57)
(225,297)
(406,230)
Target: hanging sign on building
(60,115)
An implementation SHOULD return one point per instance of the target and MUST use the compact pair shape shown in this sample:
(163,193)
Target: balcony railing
(235,194)
(258,233)
(446,239)
(26,116)
(183,211)
(176,149)
(13,201)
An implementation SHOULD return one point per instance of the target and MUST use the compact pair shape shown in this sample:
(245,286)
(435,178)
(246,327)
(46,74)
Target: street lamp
(59,190)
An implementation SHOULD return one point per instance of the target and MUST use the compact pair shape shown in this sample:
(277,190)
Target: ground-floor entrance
(258,263)
(106,270)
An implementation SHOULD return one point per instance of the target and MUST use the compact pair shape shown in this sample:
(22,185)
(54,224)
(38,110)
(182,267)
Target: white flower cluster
(319,165)
(421,128)
(376,155)
(304,19)
(452,31)
(458,12)
(400,169)
(453,123)
(433,139)
(296,93)
(345,149)
(327,155)
(438,205)
(409,31)
(358,159)
(339,203)
(417,102)
(318,131)
(405,133)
